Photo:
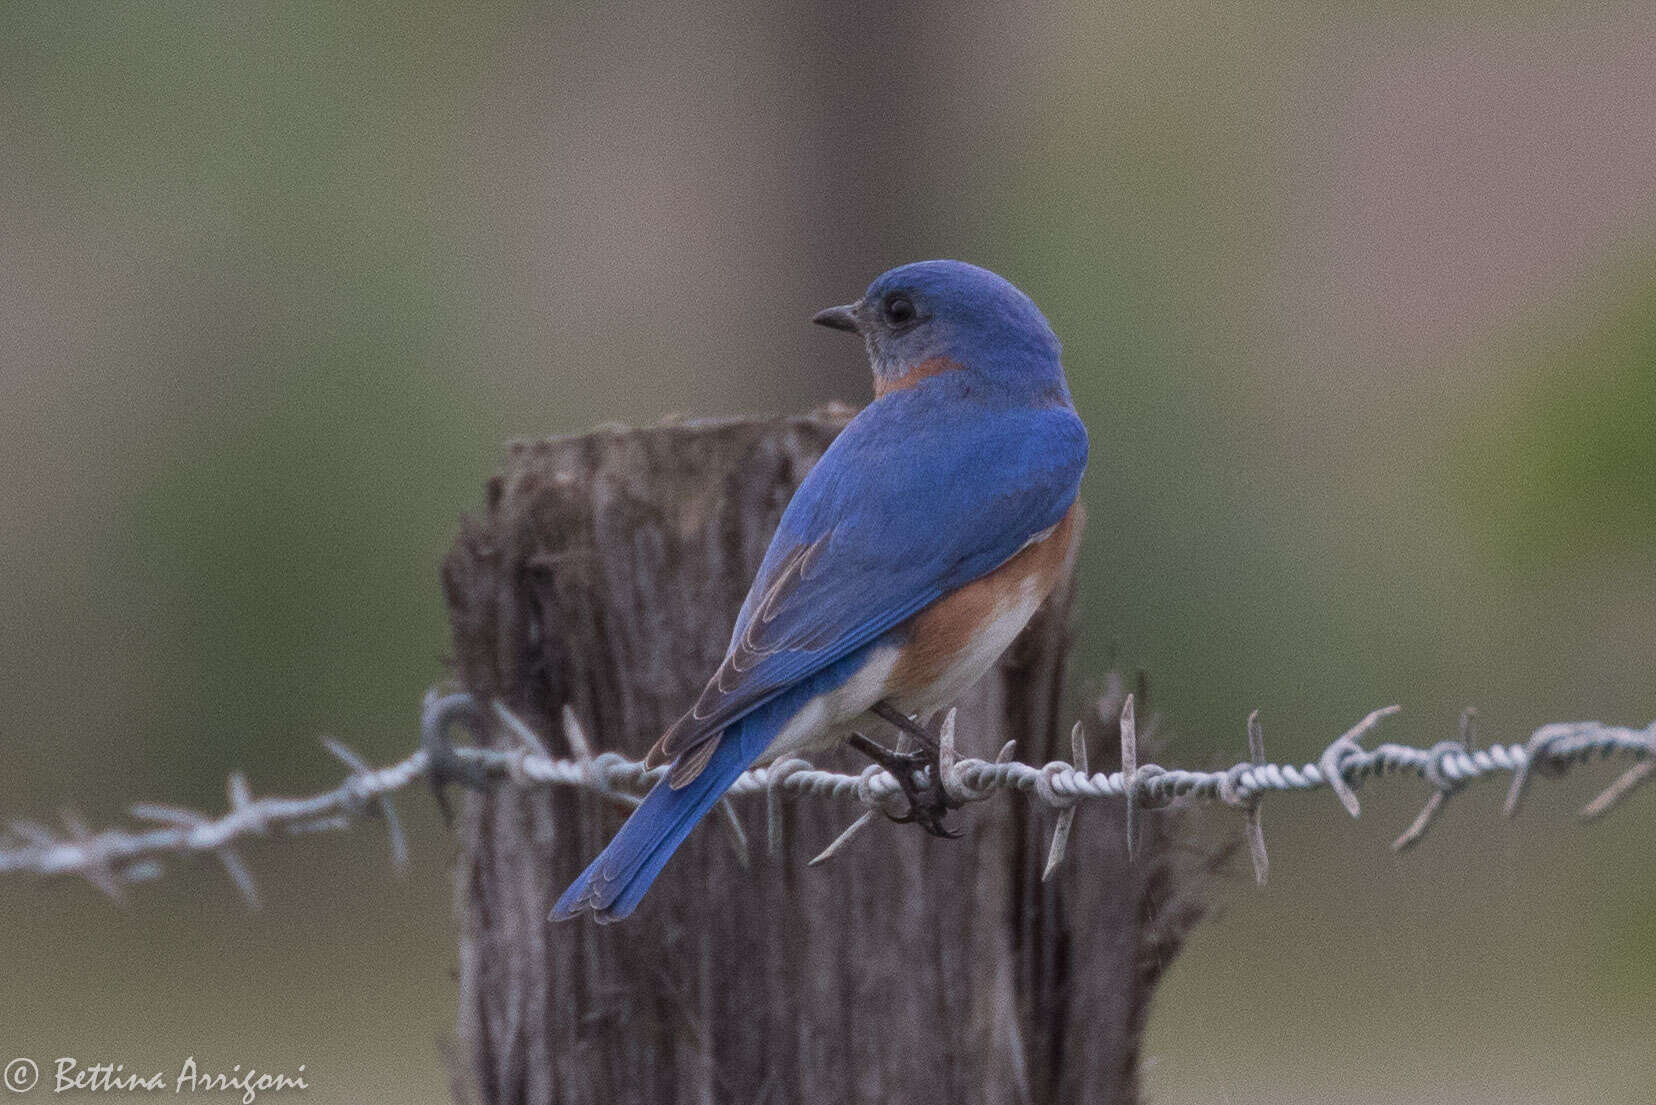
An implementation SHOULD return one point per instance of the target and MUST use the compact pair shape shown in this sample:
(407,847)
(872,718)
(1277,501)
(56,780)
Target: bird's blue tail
(614,883)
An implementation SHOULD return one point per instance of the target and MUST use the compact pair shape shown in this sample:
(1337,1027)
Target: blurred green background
(1360,308)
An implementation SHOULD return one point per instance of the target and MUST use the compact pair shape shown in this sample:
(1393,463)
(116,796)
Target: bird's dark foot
(927,740)
(442,765)
(927,804)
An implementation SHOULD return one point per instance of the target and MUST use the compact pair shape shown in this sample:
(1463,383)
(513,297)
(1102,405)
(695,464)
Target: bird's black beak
(838,318)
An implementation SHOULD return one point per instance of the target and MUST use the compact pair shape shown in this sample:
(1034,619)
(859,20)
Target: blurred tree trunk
(605,573)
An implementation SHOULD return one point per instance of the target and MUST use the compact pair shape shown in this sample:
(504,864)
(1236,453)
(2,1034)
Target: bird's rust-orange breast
(947,629)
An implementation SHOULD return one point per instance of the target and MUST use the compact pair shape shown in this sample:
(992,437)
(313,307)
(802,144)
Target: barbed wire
(113,858)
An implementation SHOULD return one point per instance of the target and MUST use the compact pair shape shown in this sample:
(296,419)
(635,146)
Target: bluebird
(910,557)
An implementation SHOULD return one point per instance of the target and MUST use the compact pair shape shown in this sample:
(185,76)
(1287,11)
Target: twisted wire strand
(113,858)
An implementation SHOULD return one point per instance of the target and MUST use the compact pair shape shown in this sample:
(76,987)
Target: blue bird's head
(934,317)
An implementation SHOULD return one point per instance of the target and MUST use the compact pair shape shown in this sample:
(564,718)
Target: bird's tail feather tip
(583,897)
(587,907)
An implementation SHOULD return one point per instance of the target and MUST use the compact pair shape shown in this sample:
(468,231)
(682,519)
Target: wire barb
(842,840)
(1444,785)
(1067,802)
(1231,791)
(226,855)
(774,824)
(1345,750)
(1626,783)
(98,870)
(380,803)
(1540,755)
(1129,770)
(738,835)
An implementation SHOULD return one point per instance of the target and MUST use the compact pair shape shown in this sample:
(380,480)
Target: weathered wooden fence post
(605,573)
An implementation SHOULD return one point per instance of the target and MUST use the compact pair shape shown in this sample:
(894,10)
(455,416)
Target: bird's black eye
(898,309)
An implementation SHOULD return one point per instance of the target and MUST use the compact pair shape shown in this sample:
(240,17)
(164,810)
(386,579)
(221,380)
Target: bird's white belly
(828,718)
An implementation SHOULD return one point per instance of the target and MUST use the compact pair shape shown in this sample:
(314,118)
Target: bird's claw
(928,817)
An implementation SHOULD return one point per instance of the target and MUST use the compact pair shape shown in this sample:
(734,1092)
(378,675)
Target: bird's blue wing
(918,495)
